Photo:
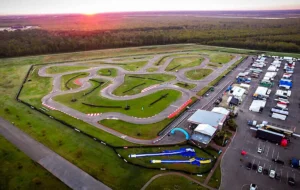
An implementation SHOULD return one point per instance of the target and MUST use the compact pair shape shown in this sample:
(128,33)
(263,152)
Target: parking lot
(235,174)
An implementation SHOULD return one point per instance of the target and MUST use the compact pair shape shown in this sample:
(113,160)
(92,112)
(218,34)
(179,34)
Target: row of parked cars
(280,111)
(271,173)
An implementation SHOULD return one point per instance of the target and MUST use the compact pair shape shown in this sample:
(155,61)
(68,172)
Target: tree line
(281,36)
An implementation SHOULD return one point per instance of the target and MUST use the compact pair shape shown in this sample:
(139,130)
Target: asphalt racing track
(117,81)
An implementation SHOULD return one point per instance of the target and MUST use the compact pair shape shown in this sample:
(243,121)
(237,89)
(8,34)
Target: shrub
(36,181)
(232,125)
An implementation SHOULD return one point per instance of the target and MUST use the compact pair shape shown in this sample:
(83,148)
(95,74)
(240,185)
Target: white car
(259,150)
(253,186)
(272,174)
(260,169)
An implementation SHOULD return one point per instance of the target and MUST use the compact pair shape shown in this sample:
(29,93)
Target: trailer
(282,112)
(284,93)
(269,136)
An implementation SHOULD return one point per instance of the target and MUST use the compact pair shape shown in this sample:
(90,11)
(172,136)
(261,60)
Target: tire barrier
(174,68)
(149,88)
(66,84)
(134,87)
(156,79)
(93,114)
(162,97)
(114,148)
(100,106)
(100,84)
(50,107)
(178,110)
(137,77)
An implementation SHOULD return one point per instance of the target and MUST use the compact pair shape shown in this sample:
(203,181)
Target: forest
(79,34)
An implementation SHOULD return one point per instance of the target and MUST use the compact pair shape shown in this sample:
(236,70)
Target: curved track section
(119,80)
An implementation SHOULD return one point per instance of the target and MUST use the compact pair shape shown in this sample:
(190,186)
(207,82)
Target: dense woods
(262,34)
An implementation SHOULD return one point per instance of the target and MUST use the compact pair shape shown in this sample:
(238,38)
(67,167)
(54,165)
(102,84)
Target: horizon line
(243,10)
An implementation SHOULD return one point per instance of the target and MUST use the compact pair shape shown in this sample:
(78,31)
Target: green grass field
(215,180)
(130,59)
(218,57)
(136,105)
(134,66)
(171,182)
(145,161)
(96,159)
(38,87)
(105,72)
(131,82)
(182,85)
(184,62)
(18,171)
(198,74)
(148,131)
(63,69)
(66,82)
(152,69)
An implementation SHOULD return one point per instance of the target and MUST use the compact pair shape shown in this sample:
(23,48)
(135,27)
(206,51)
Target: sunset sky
(9,7)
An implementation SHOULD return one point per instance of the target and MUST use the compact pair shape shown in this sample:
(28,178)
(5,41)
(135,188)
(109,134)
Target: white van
(278,116)
(283,112)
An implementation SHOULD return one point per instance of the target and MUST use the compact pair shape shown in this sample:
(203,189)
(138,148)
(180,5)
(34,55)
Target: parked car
(249,165)
(260,169)
(277,176)
(272,174)
(291,181)
(265,171)
(278,161)
(254,167)
(253,186)
(259,150)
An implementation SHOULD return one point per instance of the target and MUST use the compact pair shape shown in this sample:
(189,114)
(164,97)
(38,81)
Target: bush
(36,181)
(232,125)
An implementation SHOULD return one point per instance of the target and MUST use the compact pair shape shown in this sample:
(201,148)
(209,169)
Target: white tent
(238,92)
(220,110)
(261,91)
(205,129)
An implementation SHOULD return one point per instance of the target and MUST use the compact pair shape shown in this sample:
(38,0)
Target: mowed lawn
(134,66)
(38,87)
(67,81)
(133,85)
(18,171)
(219,57)
(184,62)
(171,182)
(215,180)
(152,69)
(139,107)
(110,72)
(63,69)
(145,161)
(96,159)
(148,131)
(198,74)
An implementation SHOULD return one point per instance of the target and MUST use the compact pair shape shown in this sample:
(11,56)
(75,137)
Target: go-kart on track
(119,80)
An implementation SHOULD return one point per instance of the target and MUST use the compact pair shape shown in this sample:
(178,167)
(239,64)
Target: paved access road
(71,175)
(117,81)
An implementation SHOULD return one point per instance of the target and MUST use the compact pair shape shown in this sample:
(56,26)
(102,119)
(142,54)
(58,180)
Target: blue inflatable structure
(187,136)
(186,152)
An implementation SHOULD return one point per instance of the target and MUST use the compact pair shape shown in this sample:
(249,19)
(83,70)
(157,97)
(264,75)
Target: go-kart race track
(119,80)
